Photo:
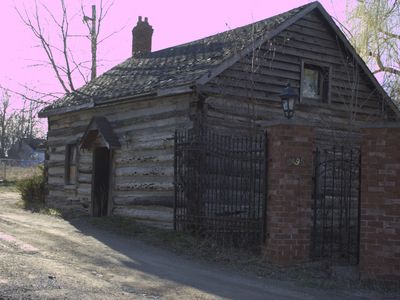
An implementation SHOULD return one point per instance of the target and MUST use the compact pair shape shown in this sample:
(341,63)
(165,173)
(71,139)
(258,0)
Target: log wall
(142,184)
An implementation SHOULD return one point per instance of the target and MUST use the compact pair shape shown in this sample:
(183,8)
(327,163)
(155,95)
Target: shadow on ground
(214,280)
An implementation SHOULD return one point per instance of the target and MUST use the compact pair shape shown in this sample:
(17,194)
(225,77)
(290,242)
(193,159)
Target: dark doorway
(100,186)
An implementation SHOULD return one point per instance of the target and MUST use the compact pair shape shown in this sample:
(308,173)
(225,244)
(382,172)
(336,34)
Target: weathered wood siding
(142,184)
(246,94)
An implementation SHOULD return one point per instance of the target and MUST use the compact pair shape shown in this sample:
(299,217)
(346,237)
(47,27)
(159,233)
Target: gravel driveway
(43,257)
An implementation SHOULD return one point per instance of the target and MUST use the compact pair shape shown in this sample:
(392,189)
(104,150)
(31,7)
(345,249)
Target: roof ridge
(298,13)
(189,64)
(166,68)
(301,7)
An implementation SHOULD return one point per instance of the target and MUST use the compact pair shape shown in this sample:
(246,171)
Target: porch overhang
(99,128)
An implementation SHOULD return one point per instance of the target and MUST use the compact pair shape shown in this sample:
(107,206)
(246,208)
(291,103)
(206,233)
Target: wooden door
(100,181)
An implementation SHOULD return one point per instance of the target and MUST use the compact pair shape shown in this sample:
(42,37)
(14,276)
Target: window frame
(325,79)
(71,179)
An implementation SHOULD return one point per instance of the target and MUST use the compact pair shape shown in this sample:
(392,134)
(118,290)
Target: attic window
(315,82)
(70,164)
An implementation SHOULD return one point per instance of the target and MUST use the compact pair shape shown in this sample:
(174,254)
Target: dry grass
(14,173)
(8,187)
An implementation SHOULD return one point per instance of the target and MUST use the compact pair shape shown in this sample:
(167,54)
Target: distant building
(28,149)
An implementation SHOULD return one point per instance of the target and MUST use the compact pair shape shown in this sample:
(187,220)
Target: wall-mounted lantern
(288,98)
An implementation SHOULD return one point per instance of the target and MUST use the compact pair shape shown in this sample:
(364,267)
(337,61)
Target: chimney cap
(141,36)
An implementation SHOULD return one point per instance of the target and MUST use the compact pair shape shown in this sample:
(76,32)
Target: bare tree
(4,122)
(375,25)
(59,55)
(17,124)
(24,121)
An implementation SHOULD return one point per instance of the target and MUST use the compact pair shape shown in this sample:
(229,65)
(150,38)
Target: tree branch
(38,32)
(64,32)
(382,67)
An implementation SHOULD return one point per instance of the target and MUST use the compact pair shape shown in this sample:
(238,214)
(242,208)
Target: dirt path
(43,257)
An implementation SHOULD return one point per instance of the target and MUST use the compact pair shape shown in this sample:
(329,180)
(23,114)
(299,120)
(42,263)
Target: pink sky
(174,22)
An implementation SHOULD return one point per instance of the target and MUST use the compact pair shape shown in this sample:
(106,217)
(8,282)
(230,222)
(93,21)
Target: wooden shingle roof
(169,68)
(190,64)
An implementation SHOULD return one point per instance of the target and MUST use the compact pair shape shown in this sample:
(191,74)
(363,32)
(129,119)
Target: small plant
(7,186)
(51,212)
(32,191)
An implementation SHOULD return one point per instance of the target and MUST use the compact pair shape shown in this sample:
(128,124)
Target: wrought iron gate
(336,205)
(219,187)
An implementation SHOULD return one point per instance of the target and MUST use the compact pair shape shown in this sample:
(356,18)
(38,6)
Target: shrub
(32,191)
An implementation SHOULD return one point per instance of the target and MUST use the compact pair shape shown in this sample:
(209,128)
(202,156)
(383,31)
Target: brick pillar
(380,205)
(289,192)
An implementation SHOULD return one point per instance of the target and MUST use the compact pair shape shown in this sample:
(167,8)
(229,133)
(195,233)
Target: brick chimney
(141,37)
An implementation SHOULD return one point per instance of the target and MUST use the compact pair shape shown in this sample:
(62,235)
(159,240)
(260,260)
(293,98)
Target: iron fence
(219,186)
(336,205)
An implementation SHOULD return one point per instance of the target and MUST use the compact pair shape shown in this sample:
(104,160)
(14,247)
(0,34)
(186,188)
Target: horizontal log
(143,179)
(84,190)
(125,119)
(146,199)
(145,157)
(57,157)
(161,214)
(56,179)
(123,111)
(149,186)
(152,144)
(85,169)
(84,178)
(57,192)
(152,125)
(86,157)
(152,170)
(57,171)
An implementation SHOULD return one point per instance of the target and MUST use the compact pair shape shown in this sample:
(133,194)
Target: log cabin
(111,142)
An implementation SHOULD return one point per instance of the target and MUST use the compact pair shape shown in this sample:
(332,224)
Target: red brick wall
(289,192)
(380,205)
